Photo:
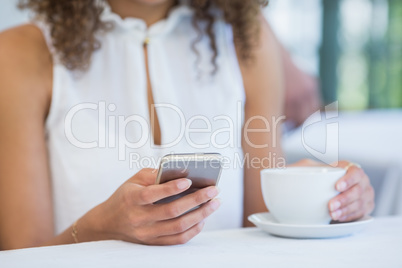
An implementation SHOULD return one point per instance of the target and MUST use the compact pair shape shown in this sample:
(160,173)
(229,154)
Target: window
(355,46)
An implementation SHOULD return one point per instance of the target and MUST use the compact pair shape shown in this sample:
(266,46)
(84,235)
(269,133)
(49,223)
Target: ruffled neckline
(135,24)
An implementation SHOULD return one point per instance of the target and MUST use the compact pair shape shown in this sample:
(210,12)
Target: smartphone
(202,169)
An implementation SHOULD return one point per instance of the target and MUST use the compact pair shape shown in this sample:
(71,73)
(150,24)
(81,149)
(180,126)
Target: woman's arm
(26,217)
(26,214)
(264,85)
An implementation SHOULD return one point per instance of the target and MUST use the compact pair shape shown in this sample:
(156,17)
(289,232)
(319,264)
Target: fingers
(353,176)
(357,195)
(352,204)
(182,224)
(179,239)
(184,204)
(355,211)
(344,199)
(358,214)
(150,194)
(359,208)
(175,230)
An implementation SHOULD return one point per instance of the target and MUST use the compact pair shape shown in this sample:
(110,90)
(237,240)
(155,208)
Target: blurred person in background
(302,94)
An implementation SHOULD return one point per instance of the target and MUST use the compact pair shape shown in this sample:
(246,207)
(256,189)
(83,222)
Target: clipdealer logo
(100,125)
(330,153)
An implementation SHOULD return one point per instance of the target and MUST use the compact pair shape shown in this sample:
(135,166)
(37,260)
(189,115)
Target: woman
(79,87)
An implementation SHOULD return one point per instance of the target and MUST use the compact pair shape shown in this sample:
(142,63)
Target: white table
(372,138)
(380,245)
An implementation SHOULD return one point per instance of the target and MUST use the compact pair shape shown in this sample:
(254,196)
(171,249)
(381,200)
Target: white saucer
(267,223)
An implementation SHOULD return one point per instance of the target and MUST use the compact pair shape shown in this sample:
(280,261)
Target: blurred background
(354,48)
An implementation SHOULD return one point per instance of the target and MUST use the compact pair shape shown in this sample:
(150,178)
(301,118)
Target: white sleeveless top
(98,132)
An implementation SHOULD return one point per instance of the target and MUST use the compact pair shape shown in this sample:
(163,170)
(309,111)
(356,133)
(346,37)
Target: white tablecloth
(373,139)
(380,245)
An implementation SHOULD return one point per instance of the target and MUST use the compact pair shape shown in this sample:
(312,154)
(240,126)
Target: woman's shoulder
(24,44)
(263,74)
(25,64)
(265,63)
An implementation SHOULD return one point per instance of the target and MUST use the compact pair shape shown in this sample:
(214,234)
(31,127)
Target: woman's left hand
(356,198)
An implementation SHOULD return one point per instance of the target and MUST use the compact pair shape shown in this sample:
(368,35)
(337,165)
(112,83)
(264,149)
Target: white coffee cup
(300,195)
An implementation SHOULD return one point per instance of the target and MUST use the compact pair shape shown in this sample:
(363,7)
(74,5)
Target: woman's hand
(356,199)
(131,215)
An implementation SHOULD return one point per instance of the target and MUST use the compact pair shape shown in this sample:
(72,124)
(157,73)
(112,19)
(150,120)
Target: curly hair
(74,23)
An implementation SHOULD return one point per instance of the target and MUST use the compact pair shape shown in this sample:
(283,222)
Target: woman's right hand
(131,215)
